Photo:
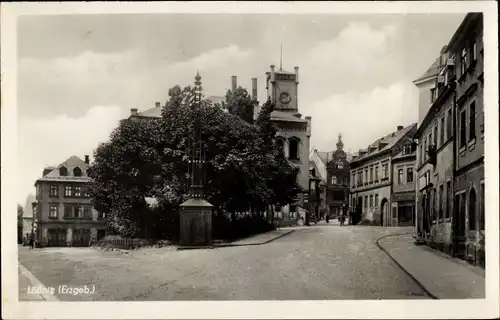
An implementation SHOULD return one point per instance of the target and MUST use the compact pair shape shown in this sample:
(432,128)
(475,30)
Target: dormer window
(293,148)
(63,172)
(77,172)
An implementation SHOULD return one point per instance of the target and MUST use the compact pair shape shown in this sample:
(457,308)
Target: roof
(285,116)
(156,111)
(281,71)
(432,72)
(400,155)
(327,156)
(71,163)
(388,140)
(28,209)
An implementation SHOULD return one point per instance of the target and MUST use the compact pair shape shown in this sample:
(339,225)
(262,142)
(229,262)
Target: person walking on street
(31,241)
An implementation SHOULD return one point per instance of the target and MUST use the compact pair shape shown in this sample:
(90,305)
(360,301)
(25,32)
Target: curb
(225,245)
(45,293)
(427,292)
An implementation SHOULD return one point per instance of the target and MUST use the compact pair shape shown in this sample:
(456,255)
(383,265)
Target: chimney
(233,83)
(157,104)
(254,88)
(400,128)
(296,74)
(87,159)
(309,120)
(133,112)
(272,72)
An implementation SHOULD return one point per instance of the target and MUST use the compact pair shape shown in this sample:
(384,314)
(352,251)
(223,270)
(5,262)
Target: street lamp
(34,221)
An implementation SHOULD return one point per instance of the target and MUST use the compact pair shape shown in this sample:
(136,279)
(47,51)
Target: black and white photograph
(302,157)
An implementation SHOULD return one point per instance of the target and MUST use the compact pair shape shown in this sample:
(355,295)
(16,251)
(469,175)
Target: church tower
(282,88)
(340,144)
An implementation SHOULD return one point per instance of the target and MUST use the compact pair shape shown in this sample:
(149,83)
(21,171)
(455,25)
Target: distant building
(371,177)
(64,215)
(28,216)
(338,181)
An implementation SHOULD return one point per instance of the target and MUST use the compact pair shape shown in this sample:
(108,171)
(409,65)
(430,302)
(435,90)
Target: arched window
(293,148)
(77,172)
(63,171)
(472,210)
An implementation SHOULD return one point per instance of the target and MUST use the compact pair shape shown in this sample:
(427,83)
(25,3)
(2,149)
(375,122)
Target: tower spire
(281,57)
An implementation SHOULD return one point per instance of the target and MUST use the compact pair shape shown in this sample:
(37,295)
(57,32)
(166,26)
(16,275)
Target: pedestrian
(32,241)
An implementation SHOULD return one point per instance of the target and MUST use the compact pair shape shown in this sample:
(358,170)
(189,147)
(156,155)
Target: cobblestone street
(319,262)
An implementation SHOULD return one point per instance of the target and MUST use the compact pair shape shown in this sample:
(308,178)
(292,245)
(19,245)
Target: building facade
(371,177)
(403,186)
(434,184)
(338,182)
(293,132)
(466,46)
(64,215)
(450,157)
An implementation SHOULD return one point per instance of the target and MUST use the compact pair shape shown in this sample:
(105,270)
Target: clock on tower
(282,89)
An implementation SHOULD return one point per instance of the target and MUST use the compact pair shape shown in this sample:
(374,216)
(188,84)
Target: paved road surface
(318,262)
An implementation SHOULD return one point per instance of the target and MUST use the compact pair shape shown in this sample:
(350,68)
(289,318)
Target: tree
(240,103)
(245,169)
(20,212)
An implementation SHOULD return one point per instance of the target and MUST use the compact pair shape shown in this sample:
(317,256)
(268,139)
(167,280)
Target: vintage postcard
(250,160)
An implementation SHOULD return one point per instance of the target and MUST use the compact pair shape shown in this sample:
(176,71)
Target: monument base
(196,224)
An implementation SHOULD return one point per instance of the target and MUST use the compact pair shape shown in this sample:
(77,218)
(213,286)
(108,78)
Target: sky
(78,75)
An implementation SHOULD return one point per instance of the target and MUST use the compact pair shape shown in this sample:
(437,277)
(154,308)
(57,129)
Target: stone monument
(196,213)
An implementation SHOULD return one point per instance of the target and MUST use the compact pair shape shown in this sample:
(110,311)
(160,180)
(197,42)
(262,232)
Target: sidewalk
(26,279)
(443,276)
(258,239)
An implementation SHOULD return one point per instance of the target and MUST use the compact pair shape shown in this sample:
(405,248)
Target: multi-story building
(450,159)
(64,215)
(338,176)
(434,161)
(466,46)
(371,177)
(320,171)
(403,186)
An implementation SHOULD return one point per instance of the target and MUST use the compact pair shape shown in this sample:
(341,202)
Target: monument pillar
(196,212)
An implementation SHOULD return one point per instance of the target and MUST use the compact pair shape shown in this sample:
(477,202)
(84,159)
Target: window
(53,190)
(435,135)
(80,211)
(68,211)
(353,178)
(371,201)
(54,211)
(472,121)
(78,191)
(385,173)
(293,147)
(77,172)
(334,179)
(63,171)
(462,128)
(472,210)
(366,201)
(87,212)
(409,175)
(400,176)
(376,200)
(433,94)
(430,138)
(68,191)
(422,154)
(441,200)
(101,215)
(441,137)
(371,174)
(473,51)
(425,150)
(376,173)
(449,125)
(366,176)
(448,199)
(481,216)
(463,61)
